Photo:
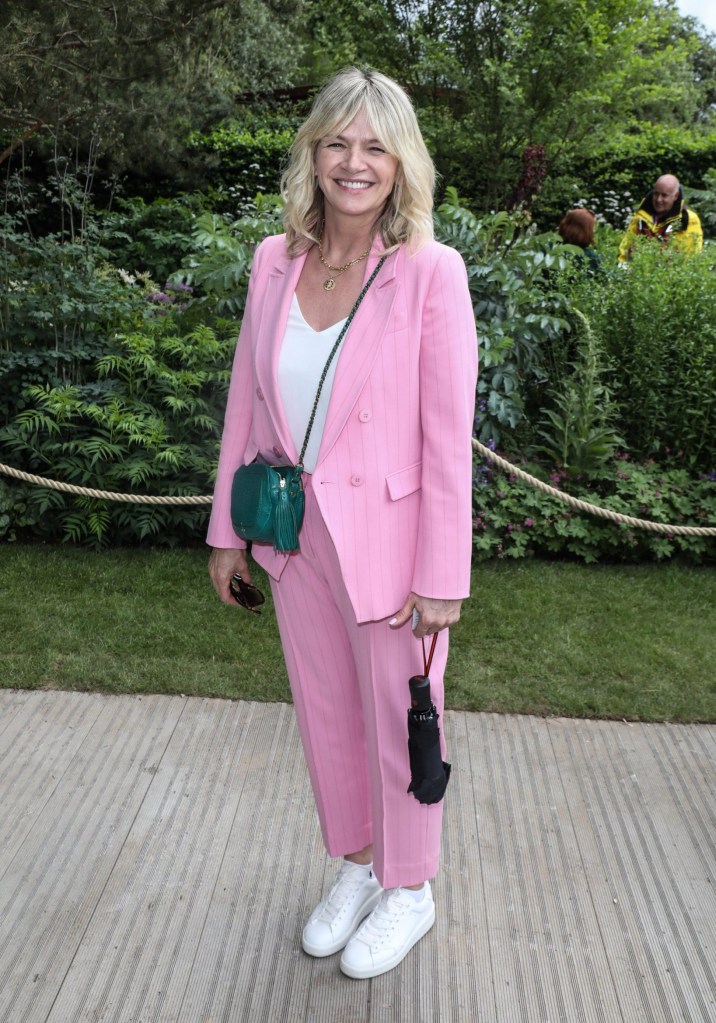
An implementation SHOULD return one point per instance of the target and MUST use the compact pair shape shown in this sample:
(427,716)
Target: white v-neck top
(304,352)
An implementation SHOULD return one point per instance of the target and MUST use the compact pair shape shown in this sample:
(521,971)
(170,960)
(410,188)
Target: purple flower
(529,522)
(159,296)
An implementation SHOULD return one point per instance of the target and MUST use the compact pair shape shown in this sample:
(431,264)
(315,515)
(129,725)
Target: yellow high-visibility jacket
(681,229)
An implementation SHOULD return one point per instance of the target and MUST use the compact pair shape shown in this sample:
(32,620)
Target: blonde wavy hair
(407,217)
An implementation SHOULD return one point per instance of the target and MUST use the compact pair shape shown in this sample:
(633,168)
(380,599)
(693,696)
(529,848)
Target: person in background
(664,215)
(577,228)
(387,534)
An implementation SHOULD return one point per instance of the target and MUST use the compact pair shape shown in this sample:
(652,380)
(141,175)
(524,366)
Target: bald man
(664,215)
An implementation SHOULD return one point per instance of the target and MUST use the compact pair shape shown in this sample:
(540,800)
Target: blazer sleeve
(236,433)
(448,378)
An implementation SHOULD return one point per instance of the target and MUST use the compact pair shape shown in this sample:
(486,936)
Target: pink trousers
(350,690)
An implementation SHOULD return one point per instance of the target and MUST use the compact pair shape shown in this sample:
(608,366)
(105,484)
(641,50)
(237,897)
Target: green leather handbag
(267,504)
(267,501)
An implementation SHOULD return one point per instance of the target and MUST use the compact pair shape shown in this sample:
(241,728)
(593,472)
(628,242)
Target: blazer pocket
(404,481)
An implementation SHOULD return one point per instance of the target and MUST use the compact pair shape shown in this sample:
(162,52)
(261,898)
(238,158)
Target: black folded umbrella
(429,774)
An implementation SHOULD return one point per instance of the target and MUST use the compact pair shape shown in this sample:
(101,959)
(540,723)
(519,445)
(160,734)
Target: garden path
(158,856)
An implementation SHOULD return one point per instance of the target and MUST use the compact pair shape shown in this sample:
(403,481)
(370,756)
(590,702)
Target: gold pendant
(329,285)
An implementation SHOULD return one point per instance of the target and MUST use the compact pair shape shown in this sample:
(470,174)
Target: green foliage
(517,315)
(705,199)
(513,519)
(127,82)
(150,238)
(578,435)
(153,426)
(60,299)
(223,251)
(244,162)
(625,166)
(656,320)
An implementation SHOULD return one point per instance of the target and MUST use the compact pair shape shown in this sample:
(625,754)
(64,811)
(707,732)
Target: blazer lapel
(361,345)
(281,284)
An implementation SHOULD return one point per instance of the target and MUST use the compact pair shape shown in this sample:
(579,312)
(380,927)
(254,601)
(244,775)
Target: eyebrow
(343,139)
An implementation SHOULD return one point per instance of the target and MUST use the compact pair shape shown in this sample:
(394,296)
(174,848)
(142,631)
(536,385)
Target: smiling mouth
(356,185)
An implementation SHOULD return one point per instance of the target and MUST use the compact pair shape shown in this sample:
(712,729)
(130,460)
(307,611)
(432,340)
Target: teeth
(354,184)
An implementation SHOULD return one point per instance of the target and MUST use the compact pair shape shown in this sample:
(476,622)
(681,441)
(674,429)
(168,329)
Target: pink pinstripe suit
(388,512)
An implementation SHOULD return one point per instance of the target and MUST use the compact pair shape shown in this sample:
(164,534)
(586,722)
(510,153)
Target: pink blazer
(394,473)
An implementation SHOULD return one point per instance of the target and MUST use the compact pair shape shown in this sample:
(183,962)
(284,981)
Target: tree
(493,78)
(132,78)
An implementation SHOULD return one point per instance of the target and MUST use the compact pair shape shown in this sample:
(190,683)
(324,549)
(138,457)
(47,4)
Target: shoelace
(383,919)
(347,882)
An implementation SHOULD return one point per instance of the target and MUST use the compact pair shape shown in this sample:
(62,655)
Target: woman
(577,228)
(387,528)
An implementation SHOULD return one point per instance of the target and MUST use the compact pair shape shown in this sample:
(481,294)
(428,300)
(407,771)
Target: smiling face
(354,171)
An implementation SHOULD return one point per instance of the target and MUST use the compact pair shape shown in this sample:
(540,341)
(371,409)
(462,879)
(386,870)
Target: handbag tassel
(285,530)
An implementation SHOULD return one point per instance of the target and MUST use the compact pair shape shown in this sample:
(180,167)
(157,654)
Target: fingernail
(392,621)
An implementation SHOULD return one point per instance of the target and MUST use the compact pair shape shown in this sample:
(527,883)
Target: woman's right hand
(224,563)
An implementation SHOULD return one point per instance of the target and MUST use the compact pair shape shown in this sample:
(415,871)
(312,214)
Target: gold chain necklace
(336,271)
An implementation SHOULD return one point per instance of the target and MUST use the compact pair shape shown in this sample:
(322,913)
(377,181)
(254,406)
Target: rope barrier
(499,462)
(585,506)
(105,495)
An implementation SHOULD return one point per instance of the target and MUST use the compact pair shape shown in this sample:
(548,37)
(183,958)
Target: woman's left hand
(435,614)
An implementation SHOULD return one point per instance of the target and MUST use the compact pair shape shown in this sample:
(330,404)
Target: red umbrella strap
(429,661)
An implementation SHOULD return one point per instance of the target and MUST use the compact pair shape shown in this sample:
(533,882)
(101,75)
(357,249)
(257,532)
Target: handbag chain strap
(340,337)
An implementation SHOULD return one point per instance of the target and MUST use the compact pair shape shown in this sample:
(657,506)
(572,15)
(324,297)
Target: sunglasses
(246,595)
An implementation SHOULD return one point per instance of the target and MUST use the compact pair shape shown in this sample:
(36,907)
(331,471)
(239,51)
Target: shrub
(513,519)
(60,302)
(150,238)
(245,160)
(222,253)
(518,313)
(150,423)
(657,322)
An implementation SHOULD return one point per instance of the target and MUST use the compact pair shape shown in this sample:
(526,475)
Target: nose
(354,161)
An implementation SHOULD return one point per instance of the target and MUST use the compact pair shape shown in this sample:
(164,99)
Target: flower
(529,522)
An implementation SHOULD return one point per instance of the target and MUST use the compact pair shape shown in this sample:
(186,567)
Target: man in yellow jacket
(663,214)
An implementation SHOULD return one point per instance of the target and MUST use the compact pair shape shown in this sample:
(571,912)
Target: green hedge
(244,161)
(625,170)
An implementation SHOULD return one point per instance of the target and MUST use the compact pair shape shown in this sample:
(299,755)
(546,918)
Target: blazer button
(278,452)
(259,394)
(357,481)
(365,415)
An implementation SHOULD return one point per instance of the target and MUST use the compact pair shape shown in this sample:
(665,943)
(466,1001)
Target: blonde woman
(387,528)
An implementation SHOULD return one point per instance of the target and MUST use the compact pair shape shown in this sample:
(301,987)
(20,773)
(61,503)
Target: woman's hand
(435,614)
(224,563)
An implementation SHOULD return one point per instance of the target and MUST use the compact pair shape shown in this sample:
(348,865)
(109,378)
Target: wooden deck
(158,856)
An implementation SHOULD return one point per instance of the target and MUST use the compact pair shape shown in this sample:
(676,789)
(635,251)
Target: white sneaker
(388,934)
(353,895)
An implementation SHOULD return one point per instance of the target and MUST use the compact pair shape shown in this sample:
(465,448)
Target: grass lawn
(537,637)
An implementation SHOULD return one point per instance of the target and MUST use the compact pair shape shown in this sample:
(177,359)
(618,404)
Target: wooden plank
(54,728)
(161,856)
(634,885)
(51,887)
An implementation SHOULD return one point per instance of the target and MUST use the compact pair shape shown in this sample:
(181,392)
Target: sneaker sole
(320,951)
(375,971)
